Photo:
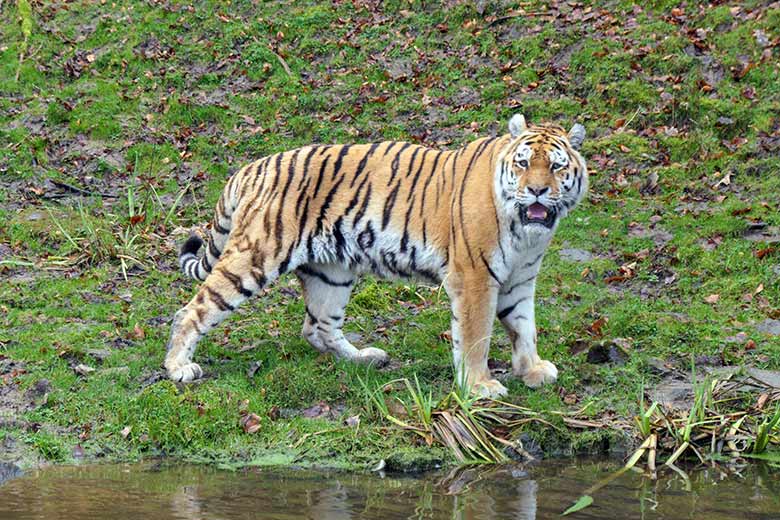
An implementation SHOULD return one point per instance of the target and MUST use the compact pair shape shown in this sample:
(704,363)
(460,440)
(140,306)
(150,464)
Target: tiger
(476,221)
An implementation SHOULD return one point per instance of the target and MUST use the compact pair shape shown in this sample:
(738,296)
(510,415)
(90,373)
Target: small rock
(769,326)
(708,360)
(83,370)
(659,366)
(673,394)
(40,388)
(739,337)
(99,354)
(253,368)
(9,471)
(601,353)
(575,255)
(152,378)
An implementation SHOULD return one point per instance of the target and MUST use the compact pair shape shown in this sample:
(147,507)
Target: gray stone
(769,326)
(575,255)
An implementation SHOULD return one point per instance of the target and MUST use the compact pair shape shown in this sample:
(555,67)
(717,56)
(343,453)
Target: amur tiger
(476,220)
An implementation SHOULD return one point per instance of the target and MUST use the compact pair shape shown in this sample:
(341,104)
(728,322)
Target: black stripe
(300,197)
(505,312)
(387,150)
(188,268)
(306,163)
(237,283)
(326,204)
(412,158)
(479,152)
(389,203)
(280,209)
(219,229)
(492,273)
(311,316)
(518,284)
(525,266)
(213,249)
(417,174)
(430,178)
(323,277)
(321,175)
(354,201)
(337,166)
(278,167)
(405,238)
(362,163)
(219,301)
(363,207)
(396,160)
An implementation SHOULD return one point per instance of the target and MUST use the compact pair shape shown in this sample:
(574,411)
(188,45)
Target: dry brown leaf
(138,332)
(250,422)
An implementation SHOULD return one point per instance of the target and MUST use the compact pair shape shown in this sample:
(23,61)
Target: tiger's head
(540,174)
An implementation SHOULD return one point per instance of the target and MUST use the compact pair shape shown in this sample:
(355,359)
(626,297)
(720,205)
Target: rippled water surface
(541,491)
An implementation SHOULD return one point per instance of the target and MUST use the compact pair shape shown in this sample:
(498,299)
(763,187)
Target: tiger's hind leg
(237,276)
(326,291)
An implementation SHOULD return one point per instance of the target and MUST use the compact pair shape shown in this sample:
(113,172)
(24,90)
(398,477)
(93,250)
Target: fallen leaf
(712,298)
(250,422)
(138,332)
(761,253)
(595,328)
(126,431)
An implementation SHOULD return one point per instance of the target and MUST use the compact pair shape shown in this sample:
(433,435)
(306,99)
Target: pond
(540,491)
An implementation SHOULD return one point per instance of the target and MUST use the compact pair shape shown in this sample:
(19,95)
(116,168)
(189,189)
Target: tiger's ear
(517,125)
(577,136)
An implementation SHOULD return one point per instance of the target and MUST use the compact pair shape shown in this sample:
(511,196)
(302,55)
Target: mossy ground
(127,117)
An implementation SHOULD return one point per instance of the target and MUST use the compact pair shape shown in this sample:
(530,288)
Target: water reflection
(532,493)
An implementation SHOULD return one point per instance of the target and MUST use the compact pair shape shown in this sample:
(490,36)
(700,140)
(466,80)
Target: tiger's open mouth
(538,214)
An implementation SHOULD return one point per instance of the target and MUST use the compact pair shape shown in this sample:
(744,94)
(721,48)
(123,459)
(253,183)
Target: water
(147,491)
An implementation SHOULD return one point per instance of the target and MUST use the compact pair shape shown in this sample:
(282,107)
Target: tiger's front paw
(489,388)
(372,356)
(541,373)
(185,373)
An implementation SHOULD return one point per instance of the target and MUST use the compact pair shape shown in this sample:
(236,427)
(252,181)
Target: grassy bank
(119,124)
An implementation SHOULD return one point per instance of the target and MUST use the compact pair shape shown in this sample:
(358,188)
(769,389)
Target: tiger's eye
(523,163)
(557,166)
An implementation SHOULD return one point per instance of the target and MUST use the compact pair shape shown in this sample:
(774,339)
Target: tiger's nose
(538,190)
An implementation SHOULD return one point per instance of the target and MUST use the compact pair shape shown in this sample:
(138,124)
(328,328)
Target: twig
(80,191)
(625,125)
(284,63)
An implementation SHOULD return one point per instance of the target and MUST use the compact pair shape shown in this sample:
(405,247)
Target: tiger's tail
(199,268)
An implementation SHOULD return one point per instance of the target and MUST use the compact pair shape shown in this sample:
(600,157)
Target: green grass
(147,108)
